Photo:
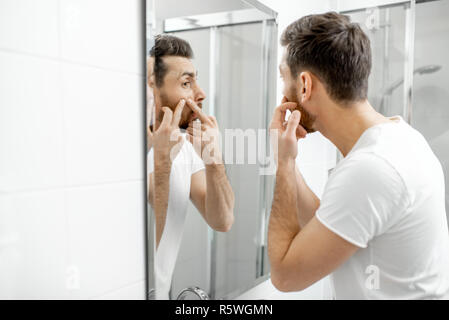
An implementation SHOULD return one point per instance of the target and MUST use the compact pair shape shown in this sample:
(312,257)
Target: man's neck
(343,126)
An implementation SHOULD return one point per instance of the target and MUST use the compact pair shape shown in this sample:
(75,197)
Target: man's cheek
(285,92)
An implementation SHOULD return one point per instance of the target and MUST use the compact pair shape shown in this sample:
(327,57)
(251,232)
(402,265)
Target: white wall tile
(104,124)
(33,246)
(106,33)
(31,140)
(29,26)
(106,236)
(132,292)
(81,242)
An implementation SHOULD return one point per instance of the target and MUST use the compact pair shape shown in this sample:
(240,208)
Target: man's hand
(210,189)
(167,139)
(204,136)
(288,132)
(149,138)
(151,117)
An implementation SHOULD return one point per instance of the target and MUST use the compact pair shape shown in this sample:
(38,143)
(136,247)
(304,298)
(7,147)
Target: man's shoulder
(366,169)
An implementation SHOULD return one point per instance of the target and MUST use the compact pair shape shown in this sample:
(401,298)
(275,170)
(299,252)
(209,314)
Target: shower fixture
(389,90)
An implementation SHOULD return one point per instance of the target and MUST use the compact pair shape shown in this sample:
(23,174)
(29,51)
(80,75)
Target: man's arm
(307,202)
(212,195)
(158,197)
(210,191)
(298,256)
(167,142)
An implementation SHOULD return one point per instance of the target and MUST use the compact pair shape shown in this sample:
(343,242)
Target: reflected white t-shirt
(387,197)
(186,163)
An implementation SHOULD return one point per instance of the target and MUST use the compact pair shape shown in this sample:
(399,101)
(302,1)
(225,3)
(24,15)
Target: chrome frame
(359,5)
(263,206)
(263,8)
(219,19)
(150,234)
(214,58)
(409,60)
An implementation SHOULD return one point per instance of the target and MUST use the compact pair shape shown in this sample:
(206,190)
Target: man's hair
(337,51)
(167,45)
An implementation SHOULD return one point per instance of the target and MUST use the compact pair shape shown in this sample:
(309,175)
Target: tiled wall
(71,149)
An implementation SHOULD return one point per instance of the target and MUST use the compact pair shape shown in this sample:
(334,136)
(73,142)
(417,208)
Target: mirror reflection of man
(380,227)
(179,170)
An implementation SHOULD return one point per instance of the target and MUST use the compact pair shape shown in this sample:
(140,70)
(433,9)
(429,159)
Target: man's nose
(199,94)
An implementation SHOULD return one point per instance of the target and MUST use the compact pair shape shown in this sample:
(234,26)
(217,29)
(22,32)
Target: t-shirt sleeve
(362,199)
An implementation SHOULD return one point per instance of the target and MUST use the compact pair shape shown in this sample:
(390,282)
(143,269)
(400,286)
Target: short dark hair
(167,45)
(337,51)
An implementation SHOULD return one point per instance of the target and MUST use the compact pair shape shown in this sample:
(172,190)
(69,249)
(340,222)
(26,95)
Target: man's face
(290,91)
(180,82)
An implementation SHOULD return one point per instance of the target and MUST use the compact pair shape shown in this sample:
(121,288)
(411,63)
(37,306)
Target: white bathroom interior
(74,217)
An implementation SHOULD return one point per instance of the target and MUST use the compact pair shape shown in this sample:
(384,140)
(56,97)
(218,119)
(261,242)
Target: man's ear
(150,78)
(151,81)
(305,84)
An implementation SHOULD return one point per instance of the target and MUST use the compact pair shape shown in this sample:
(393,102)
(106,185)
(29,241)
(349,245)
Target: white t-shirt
(186,163)
(387,197)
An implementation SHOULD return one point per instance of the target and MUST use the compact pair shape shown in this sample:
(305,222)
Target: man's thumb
(293,122)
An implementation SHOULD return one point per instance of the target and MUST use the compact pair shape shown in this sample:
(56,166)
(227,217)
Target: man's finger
(214,120)
(300,132)
(288,106)
(201,115)
(284,99)
(279,112)
(293,123)
(168,115)
(178,112)
(190,130)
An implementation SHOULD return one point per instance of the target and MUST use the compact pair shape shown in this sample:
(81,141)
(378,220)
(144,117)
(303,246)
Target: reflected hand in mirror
(204,136)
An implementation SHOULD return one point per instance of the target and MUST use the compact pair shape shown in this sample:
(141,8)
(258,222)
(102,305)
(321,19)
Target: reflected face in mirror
(179,81)
(291,91)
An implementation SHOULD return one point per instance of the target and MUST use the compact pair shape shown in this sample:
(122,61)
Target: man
(380,227)
(176,165)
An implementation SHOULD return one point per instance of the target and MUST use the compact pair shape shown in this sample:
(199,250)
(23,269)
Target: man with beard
(380,227)
(178,169)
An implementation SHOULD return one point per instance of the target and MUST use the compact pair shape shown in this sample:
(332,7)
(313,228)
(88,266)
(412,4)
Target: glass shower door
(430,112)
(245,101)
(409,45)
(386,28)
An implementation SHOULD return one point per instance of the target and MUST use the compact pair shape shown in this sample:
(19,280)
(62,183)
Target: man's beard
(165,102)
(307,120)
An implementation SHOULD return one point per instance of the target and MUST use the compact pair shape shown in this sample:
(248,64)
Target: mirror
(209,193)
